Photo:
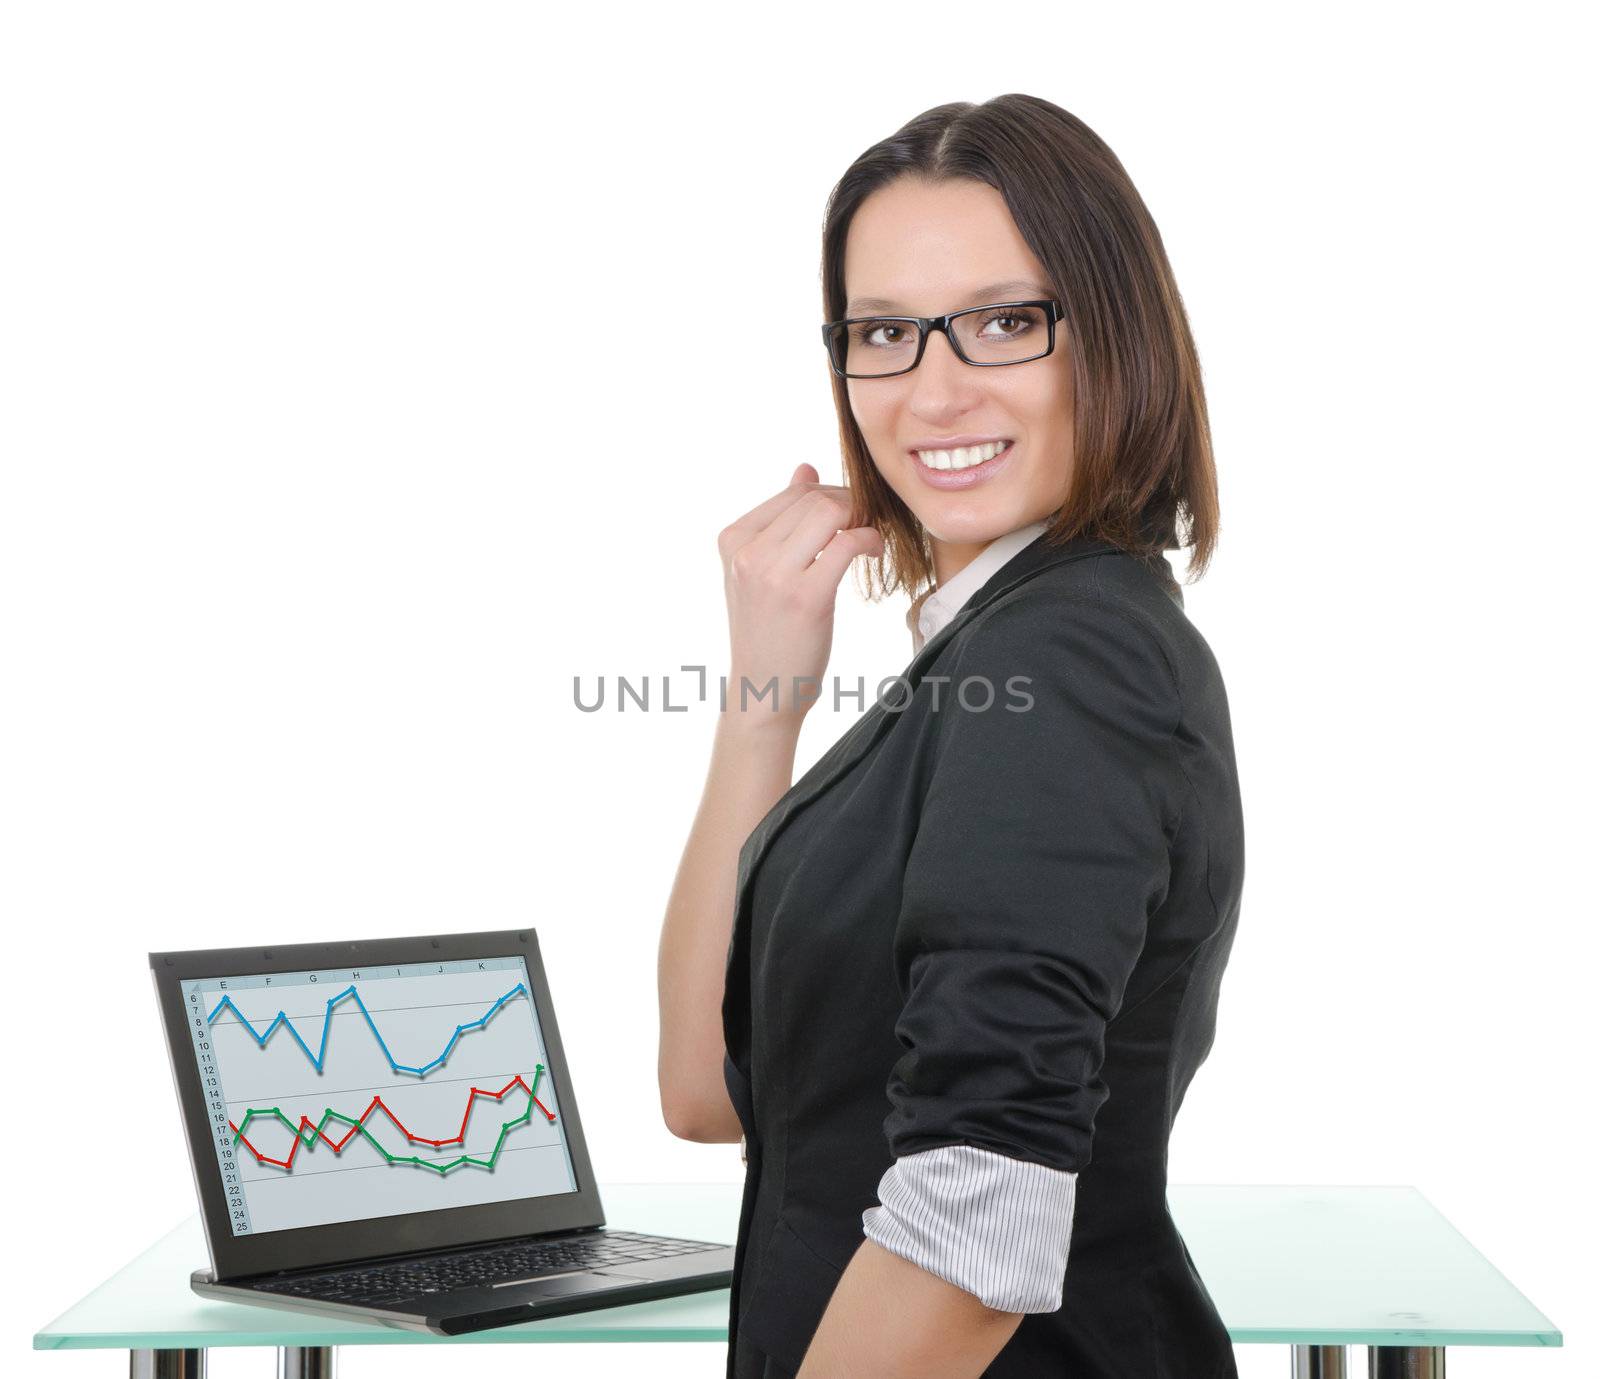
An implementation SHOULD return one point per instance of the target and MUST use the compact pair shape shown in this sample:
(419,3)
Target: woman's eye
(895,333)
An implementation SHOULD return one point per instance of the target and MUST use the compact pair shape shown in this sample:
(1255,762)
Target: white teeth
(964,458)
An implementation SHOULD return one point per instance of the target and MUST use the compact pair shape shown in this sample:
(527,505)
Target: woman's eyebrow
(993,293)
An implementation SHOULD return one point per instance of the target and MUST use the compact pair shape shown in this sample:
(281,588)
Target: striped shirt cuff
(995,1226)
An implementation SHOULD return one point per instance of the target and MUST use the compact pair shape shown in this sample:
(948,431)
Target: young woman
(951,986)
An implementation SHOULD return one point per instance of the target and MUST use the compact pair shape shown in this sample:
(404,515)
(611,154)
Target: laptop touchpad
(555,1285)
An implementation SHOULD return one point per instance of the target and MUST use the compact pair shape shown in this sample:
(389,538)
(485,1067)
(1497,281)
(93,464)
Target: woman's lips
(963,478)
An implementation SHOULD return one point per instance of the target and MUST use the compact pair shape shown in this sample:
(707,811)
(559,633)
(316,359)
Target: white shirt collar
(948,598)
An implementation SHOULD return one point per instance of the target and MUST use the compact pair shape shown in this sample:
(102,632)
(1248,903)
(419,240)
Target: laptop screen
(345,1095)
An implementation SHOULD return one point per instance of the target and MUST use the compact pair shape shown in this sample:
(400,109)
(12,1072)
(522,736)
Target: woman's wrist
(766,707)
(759,722)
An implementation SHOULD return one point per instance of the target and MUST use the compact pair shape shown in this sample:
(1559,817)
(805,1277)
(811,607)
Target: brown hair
(1142,461)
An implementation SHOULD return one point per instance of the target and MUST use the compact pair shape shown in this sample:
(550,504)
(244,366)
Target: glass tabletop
(1293,1265)
(1309,1265)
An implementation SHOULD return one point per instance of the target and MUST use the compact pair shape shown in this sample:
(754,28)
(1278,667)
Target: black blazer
(1004,928)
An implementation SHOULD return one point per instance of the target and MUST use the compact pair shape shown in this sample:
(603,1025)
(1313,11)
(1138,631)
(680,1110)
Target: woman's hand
(780,614)
(782,563)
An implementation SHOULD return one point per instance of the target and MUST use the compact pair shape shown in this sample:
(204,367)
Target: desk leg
(1319,1362)
(167,1364)
(305,1362)
(1405,1362)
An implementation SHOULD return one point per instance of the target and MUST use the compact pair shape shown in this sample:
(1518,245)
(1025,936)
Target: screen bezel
(243,1256)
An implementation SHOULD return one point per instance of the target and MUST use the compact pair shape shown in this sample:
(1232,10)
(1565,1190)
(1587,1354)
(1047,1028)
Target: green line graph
(307,1135)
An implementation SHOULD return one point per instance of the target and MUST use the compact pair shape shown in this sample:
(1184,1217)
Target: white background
(317,496)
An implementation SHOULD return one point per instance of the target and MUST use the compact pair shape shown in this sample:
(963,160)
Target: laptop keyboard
(481,1268)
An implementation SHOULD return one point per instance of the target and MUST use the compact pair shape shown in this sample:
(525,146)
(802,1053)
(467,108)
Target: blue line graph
(351,994)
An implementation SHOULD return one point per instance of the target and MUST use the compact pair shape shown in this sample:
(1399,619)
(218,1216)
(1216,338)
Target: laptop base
(482,1309)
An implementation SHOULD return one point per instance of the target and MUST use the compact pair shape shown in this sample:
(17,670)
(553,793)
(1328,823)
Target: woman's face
(926,249)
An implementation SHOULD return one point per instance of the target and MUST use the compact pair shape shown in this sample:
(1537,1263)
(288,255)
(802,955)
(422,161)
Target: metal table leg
(305,1362)
(1405,1362)
(1319,1362)
(167,1364)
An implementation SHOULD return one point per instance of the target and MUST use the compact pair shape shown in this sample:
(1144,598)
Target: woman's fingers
(783,562)
(846,545)
(811,524)
(742,529)
(809,514)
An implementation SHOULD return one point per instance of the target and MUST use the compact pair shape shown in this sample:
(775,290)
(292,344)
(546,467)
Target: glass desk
(1314,1268)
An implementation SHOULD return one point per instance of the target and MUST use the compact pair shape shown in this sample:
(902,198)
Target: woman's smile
(962,467)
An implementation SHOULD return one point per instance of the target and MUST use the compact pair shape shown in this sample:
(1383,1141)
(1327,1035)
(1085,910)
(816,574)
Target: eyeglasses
(883,346)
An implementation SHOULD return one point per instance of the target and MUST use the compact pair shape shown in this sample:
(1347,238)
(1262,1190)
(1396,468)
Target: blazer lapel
(1033,558)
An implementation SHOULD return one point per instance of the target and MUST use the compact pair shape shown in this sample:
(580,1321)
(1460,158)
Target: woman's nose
(942,373)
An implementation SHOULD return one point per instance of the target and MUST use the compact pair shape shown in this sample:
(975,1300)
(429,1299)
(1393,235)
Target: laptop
(387,1130)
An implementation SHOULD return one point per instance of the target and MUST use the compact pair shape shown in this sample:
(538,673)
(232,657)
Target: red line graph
(377,1104)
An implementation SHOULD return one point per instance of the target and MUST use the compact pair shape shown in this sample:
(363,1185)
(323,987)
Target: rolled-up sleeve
(995,1226)
(1041,853)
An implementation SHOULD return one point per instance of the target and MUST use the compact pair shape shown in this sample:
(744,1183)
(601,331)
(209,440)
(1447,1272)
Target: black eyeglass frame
(926,325)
